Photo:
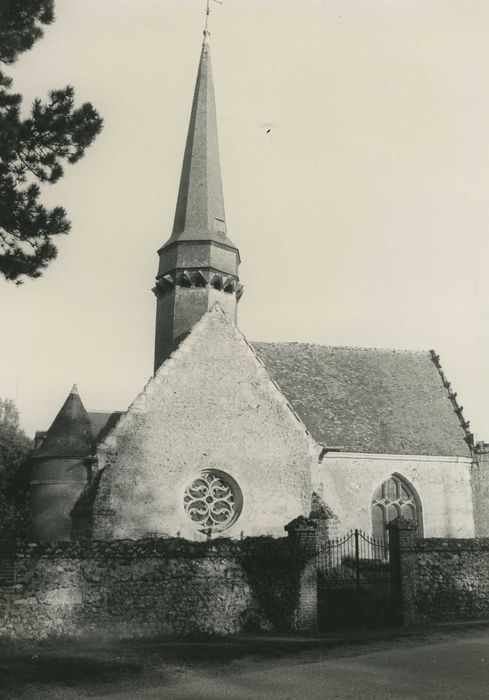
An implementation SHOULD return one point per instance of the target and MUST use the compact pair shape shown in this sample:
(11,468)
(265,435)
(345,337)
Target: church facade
(231,437)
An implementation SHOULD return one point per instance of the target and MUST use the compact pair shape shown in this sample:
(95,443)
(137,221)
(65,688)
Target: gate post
(402,539)
(302,532)
(327,522)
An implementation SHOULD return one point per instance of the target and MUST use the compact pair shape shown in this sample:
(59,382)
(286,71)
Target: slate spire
(70,434)
(199,263)
(199,212)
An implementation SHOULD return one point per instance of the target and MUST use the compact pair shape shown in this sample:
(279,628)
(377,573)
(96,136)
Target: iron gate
(354,582)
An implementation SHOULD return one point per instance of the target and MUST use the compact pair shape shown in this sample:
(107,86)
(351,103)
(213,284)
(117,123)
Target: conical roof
(199,212)
(70,434)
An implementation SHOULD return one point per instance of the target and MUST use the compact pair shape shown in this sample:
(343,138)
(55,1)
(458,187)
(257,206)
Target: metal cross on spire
(207,13)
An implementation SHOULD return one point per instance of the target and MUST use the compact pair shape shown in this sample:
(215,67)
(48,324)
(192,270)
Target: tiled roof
(70,433)
(364,400)
(75,432)
(356,399)
(101,422)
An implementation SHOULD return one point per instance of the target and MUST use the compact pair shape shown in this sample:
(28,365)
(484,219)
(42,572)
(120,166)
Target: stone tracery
(212,501)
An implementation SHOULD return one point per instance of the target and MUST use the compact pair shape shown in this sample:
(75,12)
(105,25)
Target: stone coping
(444,544)
(146,547)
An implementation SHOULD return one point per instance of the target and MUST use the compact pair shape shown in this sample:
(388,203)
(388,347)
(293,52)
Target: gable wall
(182,307)
(348,482)
(211,405)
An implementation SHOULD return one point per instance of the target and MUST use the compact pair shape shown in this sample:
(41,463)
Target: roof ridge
(457,408)
(408,351)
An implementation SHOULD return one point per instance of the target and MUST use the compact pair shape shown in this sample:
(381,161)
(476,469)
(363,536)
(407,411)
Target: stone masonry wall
(151,587)
(444,579)
(452,579)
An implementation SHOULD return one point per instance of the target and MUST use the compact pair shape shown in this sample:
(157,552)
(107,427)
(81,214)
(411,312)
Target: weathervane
(207,13)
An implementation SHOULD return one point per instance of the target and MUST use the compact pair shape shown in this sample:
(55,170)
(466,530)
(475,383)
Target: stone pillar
(479,481)
(327,522)
(302,533)
(403,535)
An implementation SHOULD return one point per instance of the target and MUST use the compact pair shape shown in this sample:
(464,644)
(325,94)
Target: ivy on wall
(274,568)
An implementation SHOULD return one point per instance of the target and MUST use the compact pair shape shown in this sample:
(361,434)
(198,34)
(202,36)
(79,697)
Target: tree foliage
(14,448)
(35,149)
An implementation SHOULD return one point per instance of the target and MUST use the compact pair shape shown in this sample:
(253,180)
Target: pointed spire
(70,434)
(198,265)
(200,205)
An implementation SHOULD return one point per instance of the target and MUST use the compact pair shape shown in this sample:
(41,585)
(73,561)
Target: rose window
(213,501)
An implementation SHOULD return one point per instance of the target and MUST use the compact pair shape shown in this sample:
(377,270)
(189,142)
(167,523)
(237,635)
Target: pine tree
(14,448)
(34,150)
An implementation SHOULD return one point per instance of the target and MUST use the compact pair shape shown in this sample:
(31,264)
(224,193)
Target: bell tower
(199,263)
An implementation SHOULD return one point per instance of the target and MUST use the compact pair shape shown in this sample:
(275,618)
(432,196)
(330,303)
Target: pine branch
(55,133)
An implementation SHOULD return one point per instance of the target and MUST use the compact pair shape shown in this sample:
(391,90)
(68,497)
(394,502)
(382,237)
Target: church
(234,438)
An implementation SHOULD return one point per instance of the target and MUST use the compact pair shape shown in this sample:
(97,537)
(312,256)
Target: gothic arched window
(394,498)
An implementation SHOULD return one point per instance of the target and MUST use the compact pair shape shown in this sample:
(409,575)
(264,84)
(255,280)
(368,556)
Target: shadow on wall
(153,587)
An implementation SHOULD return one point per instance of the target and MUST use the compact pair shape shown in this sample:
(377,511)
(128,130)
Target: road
(455,667)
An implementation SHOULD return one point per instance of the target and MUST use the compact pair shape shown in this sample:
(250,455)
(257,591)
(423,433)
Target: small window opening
(216,282)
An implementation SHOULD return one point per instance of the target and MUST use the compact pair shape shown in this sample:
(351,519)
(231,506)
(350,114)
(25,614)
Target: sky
(354,147)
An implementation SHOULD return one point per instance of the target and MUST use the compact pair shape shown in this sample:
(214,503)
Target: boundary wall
(437,579)
(134,588)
